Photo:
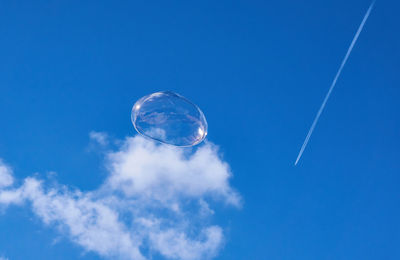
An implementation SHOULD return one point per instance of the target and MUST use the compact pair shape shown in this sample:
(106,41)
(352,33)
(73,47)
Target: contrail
(334,82)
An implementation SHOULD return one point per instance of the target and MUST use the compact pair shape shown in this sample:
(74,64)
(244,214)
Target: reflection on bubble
(169,118)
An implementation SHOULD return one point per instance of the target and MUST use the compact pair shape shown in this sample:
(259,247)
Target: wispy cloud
(155,200)
(6,178)
(99,137)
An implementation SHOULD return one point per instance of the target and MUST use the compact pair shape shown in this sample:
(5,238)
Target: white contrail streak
(334,83)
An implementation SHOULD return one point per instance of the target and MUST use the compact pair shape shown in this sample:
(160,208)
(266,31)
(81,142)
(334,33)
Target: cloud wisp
(156,200)
(6,178)
(99,137)
(321,109)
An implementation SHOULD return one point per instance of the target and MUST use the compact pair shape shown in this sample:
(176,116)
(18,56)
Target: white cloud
(6,178)
(176,245)
(165,173)
(154,201)
(99,137)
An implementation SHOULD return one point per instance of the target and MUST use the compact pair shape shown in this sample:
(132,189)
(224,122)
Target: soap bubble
(169,118)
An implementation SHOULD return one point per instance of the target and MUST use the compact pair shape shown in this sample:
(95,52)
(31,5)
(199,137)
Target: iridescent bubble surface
(169,118)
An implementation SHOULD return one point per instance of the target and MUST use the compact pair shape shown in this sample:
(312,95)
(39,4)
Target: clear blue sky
(259,71)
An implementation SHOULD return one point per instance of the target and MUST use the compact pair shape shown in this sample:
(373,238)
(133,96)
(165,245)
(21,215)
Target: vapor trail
(334,82)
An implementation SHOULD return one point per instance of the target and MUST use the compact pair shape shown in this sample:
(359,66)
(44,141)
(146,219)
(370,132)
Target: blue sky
(259,71)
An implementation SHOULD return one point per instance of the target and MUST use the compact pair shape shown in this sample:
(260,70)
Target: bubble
(169,118)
